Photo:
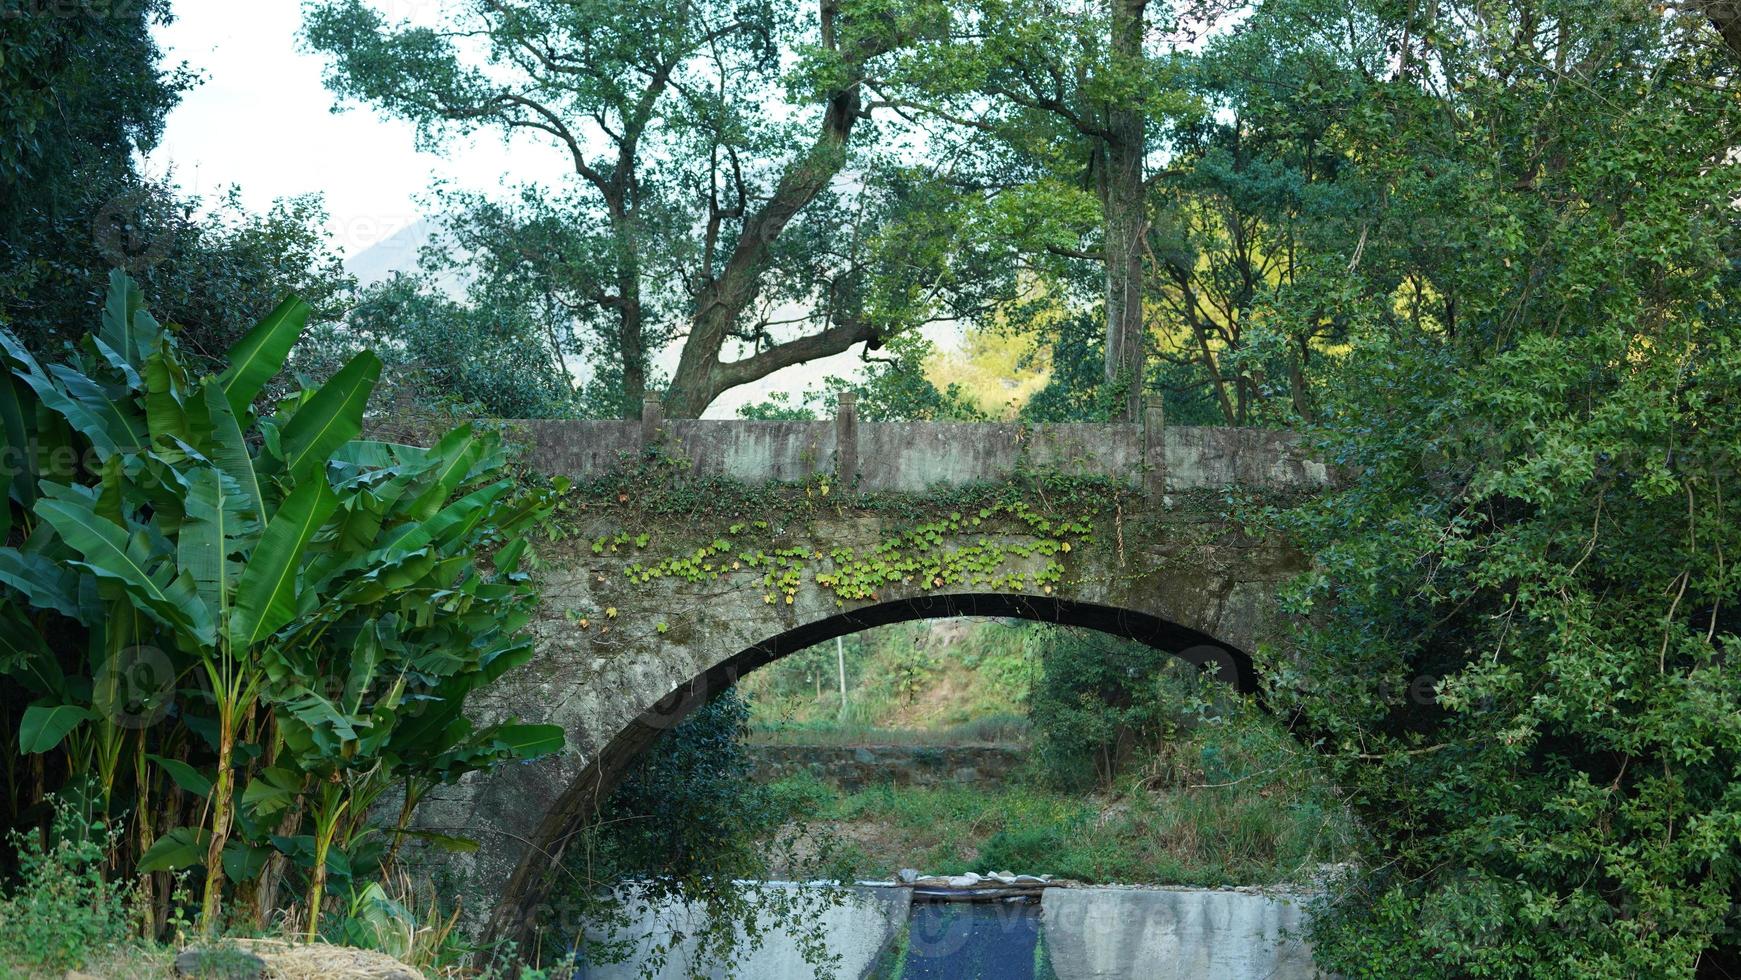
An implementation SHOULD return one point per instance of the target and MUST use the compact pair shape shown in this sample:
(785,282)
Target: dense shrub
(688,825)
(1098,701)
(62,909)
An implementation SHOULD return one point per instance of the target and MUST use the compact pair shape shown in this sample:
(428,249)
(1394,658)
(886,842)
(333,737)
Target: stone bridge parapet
(913,457)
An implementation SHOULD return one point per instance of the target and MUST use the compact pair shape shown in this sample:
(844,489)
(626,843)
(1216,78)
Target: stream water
(969,941)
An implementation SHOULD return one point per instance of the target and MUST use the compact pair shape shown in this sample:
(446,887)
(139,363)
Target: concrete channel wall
(1175,934)
(1087,934)
(857,930)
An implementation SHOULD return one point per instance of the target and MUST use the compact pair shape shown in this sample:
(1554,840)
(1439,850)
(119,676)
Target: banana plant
(320,590)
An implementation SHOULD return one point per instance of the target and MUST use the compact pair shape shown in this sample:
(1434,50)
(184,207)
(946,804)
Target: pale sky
(262,121)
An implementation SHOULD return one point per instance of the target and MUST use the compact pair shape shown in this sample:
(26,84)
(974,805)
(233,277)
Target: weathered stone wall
(622,656)
(915,456)
(854,767)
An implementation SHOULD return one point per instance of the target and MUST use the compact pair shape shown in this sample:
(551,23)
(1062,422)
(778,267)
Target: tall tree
(1068,95)
(1520,658)
(1258,195)
(83,91)
(694,152)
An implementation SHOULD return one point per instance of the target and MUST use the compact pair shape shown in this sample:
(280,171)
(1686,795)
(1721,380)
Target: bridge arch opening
(528,889)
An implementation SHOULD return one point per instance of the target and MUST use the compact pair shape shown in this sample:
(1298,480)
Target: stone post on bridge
(652,418)
(846,441)
(1154,446)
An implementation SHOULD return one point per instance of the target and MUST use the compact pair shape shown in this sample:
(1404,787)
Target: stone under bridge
(787,534)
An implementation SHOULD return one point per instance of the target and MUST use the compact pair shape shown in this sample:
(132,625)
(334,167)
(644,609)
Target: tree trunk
(631,340)
(701,375)
(1725,16)
(1122,200)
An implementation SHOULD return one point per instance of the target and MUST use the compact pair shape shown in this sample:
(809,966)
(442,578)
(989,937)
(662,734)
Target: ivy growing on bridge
(1010,536)
(667,523)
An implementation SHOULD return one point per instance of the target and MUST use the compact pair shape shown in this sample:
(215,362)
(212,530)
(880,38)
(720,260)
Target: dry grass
(290,961)
(284,961)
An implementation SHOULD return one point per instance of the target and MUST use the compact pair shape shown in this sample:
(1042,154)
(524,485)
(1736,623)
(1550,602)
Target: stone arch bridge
(696,551)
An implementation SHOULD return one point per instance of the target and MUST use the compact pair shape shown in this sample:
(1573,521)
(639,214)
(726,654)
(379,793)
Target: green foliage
(779,406)
(687,808)
(84,92)
(1099,702)
(485,361)
(1077,390)
(933,554)
(895,387)
(209,264)
(62,909)
(974,688)
(1229,796)
(1519,663)
(1237,804)
(247,606)
(687,824)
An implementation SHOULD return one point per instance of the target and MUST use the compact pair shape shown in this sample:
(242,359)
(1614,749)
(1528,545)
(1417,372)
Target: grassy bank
(928,677)
(1137,837)
(1200,814)
(1205,790)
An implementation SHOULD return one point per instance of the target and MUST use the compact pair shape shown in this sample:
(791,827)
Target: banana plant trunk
(211,902)
(333,802)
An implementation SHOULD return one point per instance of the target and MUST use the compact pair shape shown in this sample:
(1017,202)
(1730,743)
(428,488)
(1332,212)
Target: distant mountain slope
(399,252)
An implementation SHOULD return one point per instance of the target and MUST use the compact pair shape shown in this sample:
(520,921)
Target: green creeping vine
(1009,536)
(922,555)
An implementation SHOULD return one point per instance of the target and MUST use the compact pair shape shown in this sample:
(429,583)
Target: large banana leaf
(181,848)
(120,365)
(367,456)
(315,729)
(227,448)
(165,411)
(266,597)
(120,420)
(112,553)
(219,524)
(124,331)
(187,777)
(458,519)
(271,791)
(261,352)
(506,742)
(458,452)
(81,417)
(45,584)
(366,655)
(44,725)
(333,417)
